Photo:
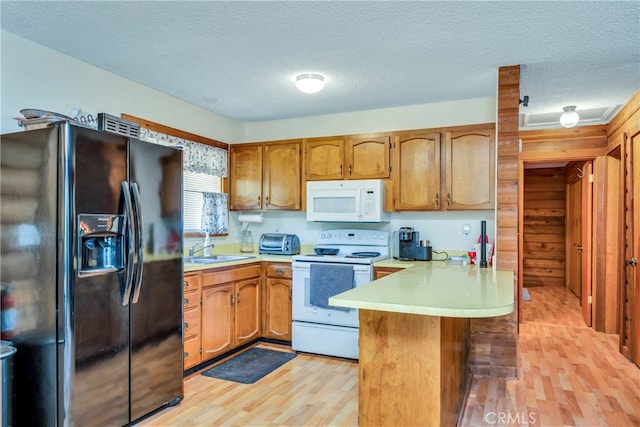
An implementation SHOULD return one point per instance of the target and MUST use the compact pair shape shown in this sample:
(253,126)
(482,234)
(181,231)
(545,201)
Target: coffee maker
(409,246)
(408,239)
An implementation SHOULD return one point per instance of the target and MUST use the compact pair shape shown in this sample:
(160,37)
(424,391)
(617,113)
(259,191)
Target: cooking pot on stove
(326,251)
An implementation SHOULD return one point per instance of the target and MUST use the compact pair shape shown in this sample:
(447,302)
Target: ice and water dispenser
(100,243)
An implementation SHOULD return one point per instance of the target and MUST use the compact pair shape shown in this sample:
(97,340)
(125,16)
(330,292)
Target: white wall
(442,229)
(424,116)
(33,76)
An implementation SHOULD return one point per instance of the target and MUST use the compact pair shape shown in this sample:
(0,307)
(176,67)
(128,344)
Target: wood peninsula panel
(412,369)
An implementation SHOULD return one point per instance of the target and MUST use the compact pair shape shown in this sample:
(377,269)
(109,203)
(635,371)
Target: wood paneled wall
(544,213)
(494,341)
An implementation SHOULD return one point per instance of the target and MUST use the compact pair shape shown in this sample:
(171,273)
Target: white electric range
(318,327)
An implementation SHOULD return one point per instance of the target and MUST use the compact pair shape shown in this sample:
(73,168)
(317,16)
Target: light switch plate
(466,231)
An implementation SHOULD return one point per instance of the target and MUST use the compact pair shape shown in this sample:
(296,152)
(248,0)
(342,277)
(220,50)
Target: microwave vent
(113,124)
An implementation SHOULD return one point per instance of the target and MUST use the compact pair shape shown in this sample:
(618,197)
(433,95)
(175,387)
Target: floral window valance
(197,157)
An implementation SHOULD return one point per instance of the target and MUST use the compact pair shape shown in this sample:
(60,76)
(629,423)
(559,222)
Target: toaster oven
(279,244)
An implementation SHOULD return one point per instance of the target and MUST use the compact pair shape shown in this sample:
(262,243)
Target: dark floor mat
(249,366)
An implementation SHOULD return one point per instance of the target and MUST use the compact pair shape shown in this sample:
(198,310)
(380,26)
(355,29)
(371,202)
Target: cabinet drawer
(191,299)
(191,322)
(279,270)
(191,282)
(230,275)
(191,352)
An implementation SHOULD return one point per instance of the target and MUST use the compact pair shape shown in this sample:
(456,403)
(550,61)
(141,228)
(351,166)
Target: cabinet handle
(266,201)
(233,299)
(437,200)
(448,199)
(186,301)
(279,271)
(186,355)
(186,284)
(340,171)
(186,325)
(238,298)
(349,170)
(632,261)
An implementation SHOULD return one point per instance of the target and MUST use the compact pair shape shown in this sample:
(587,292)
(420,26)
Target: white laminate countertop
(436,289)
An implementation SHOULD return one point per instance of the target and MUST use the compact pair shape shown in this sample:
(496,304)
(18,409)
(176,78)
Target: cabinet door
(469,169)
(323,158)
(379,272)
(247,321)
(368,158)
(245,180)
(282,180)
(218,303)
(417,180)
(278,319)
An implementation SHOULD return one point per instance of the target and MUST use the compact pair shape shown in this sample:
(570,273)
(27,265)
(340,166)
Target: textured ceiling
(239,58)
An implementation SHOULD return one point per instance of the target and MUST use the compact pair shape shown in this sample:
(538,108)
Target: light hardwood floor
(569,375)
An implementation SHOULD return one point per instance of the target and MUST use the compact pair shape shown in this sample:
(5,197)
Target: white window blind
(194,185)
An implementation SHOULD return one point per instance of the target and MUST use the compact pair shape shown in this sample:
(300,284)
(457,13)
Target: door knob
(632,261)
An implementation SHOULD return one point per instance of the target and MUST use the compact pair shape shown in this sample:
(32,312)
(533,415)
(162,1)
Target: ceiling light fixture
(310,83)
(569,118)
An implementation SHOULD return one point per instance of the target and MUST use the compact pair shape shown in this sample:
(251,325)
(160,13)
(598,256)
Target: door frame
(587,256)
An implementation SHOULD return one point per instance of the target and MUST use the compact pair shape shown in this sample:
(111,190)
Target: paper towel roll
(253,217)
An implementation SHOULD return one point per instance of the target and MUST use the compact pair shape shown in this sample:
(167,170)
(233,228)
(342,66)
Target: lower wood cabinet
(379,272)
(277,301)
(191,319)
(230,308)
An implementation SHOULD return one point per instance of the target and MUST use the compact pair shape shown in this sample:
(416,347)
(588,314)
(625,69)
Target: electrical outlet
(466,231)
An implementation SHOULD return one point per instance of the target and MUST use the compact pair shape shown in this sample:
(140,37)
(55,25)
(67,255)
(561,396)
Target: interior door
(630,328)
(586,233)
(574,237)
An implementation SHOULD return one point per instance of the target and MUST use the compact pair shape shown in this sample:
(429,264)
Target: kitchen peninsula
(414,339)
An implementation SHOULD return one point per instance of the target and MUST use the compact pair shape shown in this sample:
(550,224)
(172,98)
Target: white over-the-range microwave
(346,201)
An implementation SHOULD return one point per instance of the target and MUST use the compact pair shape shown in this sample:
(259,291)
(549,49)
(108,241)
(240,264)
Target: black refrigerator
(92,278)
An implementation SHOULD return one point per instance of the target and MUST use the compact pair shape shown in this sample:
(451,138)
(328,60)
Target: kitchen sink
(214,258)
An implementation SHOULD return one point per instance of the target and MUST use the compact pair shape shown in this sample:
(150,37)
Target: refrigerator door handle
(137,208)
(129,221)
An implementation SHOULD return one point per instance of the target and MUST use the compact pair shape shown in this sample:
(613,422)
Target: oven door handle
(307,266)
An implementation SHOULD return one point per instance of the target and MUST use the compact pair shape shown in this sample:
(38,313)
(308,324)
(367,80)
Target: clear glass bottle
(246,241)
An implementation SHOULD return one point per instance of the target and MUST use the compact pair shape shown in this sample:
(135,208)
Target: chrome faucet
(193,250)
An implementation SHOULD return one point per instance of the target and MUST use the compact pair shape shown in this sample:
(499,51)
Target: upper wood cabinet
(265,176)
(281,176)
(245,177)
(324,158)
(354,157)
(368,158)
(417,171)
(469,164)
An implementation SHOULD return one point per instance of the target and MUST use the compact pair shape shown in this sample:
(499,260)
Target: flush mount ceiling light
(310,83)
(569,118)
